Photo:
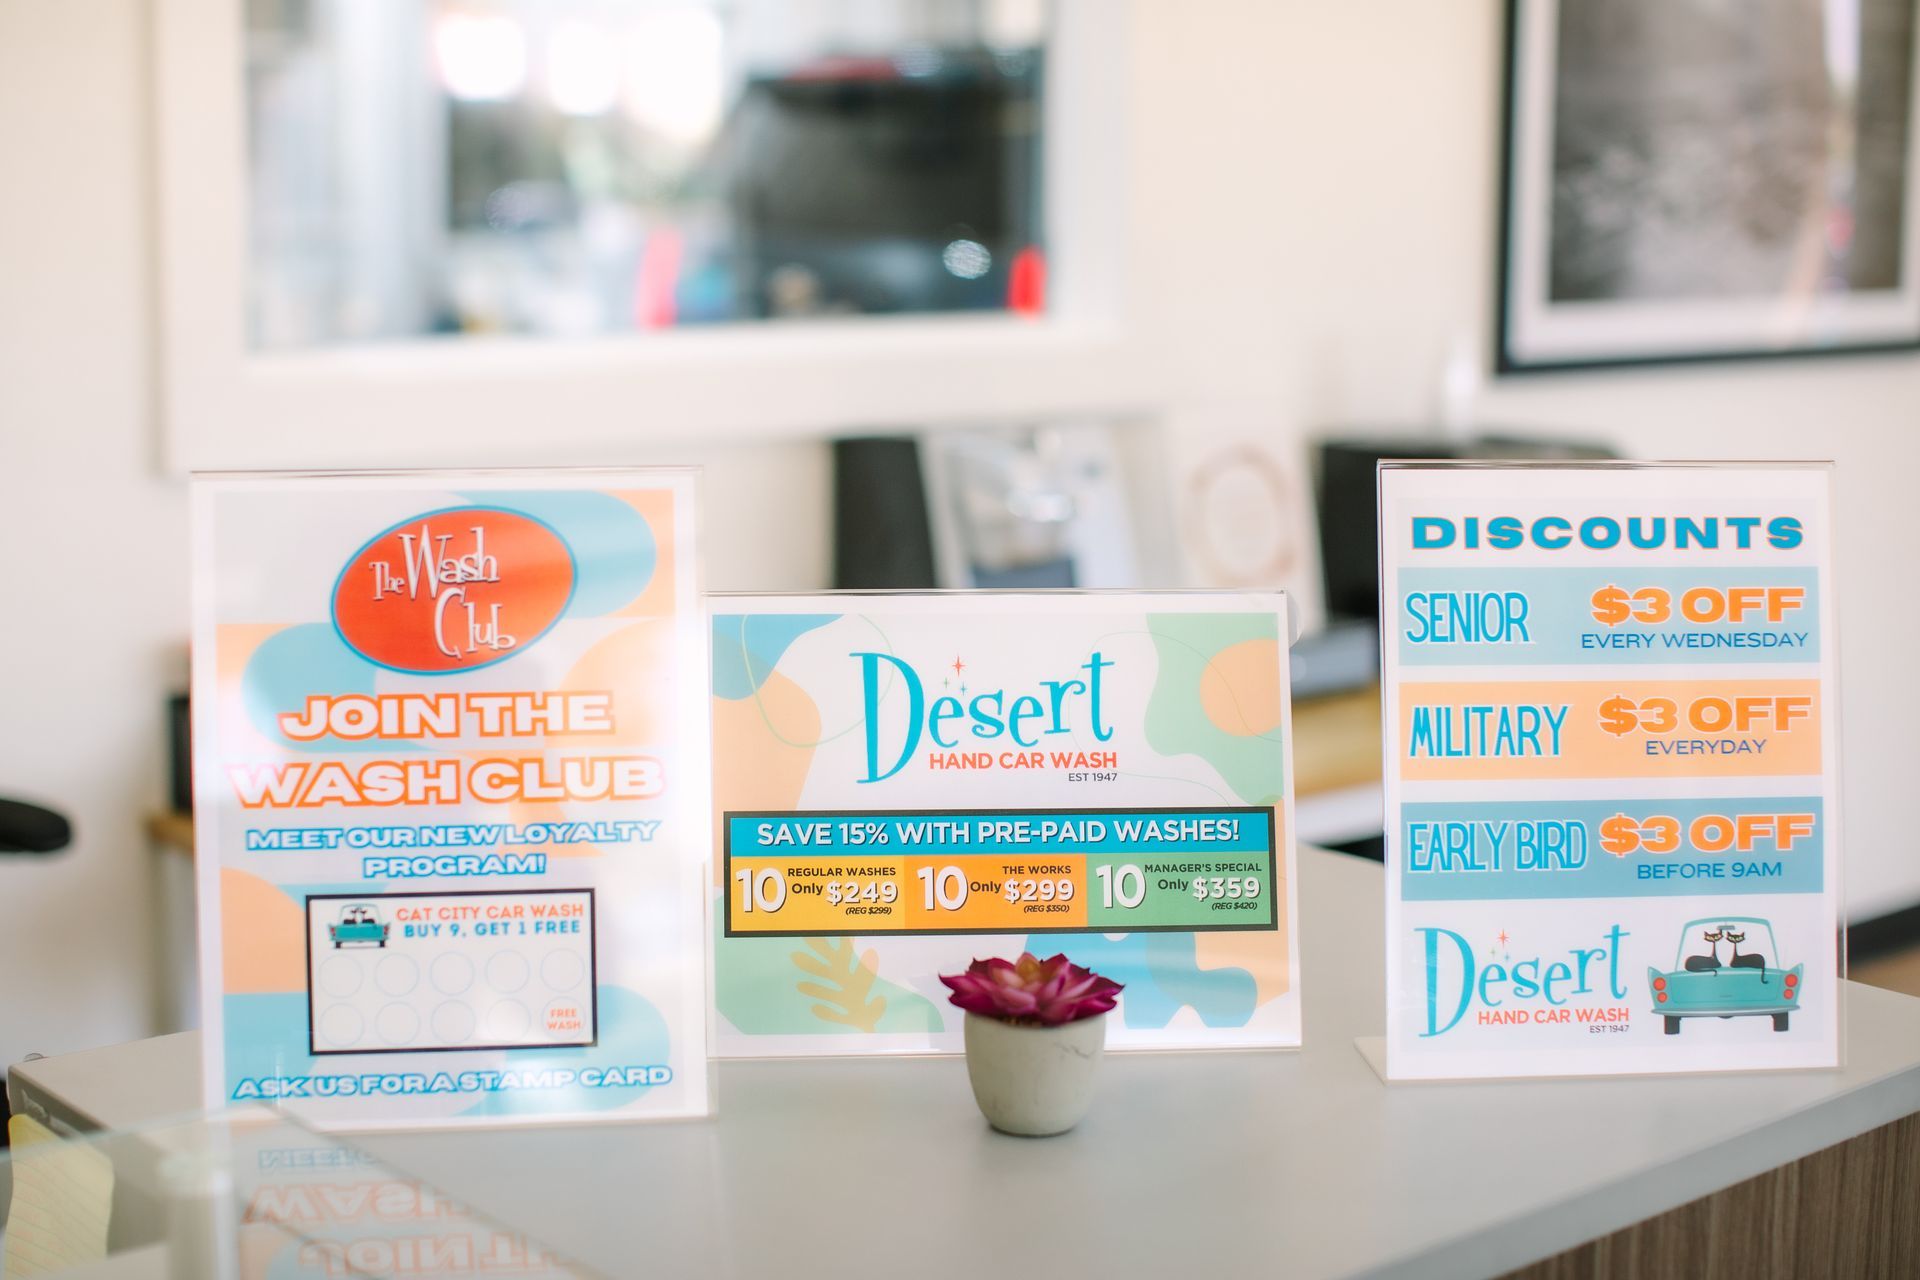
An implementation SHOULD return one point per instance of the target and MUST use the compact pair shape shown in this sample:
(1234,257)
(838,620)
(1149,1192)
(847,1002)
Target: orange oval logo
(453,590)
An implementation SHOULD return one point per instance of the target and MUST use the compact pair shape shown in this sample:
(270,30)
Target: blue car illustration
(358,923)
(1745,984)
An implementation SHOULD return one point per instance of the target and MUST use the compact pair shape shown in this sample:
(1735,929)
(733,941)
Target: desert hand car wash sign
(450,796)
(1611,760)
(905,782)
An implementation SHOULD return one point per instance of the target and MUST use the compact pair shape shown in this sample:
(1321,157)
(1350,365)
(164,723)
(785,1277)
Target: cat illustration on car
(1748,984)
(358,922)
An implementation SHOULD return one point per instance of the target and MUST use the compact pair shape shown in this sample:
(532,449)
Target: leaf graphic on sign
(846,981)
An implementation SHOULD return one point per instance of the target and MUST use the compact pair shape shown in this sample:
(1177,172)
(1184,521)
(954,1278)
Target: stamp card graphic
(453,971)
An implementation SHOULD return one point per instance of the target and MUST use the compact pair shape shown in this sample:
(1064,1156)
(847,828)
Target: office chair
(27,828)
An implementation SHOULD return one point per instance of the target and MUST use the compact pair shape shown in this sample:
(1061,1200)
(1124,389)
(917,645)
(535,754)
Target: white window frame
(501,399)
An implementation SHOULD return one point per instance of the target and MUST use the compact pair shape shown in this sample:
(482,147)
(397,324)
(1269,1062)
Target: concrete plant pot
(1034,1081)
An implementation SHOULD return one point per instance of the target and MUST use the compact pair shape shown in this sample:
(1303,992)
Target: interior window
(586,167)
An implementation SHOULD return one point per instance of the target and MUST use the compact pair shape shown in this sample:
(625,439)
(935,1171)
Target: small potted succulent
(1035,1030)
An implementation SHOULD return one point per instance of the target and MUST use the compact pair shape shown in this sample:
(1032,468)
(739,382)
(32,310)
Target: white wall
(1368,136)
(92,586)
(1319,176)
(93,540)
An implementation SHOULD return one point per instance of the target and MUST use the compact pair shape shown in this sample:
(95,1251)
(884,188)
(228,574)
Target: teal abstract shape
(298,1259)
(756,987)
(614,550)
(1177,722)
(1161,974)
(747,647)
(364,890)
(632,1033)
(291,665)
(266,1034)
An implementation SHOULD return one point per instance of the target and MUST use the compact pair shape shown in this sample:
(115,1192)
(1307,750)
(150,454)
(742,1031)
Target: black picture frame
(1556,315)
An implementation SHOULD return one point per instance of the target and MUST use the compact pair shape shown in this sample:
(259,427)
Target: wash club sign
(1612,820)
(451,806)
(430,596)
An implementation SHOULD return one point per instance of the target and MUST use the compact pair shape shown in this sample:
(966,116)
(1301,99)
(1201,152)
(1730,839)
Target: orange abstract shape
(1240,688)
(525,813)
(235,643)
(263,937)
(843,986)
(1264,955)
(636,665)
(657,598)
(762,749)
(261,1244)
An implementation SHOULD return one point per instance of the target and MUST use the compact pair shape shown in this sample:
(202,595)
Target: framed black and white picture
(1707,179)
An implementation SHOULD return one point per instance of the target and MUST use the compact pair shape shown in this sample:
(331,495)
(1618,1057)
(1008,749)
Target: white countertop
(1301,1164)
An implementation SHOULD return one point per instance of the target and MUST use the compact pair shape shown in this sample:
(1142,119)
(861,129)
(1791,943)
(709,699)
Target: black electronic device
(1347,498)
(887,185)
(882,538)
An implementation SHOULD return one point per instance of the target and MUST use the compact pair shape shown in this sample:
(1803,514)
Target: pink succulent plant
(1030,992)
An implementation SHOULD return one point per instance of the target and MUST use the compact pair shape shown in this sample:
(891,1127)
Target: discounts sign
(905,783)
(1612,829)
(450,808)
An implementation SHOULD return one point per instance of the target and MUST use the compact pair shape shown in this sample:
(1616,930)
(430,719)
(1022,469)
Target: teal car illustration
(1746,984)
(358,923)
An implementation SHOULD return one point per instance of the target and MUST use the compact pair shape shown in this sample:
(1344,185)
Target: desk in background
(1336,767)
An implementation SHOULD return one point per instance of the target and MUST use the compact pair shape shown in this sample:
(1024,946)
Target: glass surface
(585,167)
(238,1197)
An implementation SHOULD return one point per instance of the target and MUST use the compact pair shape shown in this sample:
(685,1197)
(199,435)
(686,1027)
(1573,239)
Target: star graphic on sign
(1503,937)
(958,666)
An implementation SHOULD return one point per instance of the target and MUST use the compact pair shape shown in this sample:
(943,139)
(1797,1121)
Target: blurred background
(568,168)
(940,293)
